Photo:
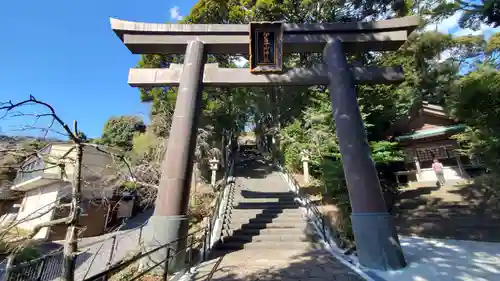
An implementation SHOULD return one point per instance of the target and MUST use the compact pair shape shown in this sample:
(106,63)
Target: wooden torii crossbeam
(373,227)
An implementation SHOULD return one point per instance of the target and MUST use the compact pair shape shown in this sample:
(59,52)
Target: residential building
(45,180)
(9,205)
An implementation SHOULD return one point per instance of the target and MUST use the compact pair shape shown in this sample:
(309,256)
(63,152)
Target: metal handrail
(310,206)
(105,275)
(216,215)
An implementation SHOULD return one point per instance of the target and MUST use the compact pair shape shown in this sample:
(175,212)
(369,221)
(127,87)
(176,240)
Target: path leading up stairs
(266,237)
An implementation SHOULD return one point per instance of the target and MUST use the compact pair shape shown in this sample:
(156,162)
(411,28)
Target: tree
(69,166)
(300,117)
(475,12)
(475,100)
(82,136)
(119,131)
(71,220)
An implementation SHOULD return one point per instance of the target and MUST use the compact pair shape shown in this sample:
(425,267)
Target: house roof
(420,134)
(416,111)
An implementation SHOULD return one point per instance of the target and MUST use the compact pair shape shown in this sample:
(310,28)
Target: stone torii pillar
(375,234)
(169,221)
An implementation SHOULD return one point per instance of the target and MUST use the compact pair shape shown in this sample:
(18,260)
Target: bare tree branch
(71,220)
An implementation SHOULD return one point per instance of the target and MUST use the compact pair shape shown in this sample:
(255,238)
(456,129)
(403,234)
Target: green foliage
(9,162)
(129,186)
(476,101)
(301,117)
(33,145)
(477,12)
(8,171)
(385,152)
(82,136)
(119,131)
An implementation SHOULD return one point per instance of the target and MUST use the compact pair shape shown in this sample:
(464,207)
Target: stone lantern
(305,165)
(214,166)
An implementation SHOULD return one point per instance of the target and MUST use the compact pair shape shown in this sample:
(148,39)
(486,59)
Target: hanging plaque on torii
(266,47)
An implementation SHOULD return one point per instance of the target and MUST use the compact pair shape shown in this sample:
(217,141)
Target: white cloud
(484,29)
(450,26)
(446,25)
(175,13)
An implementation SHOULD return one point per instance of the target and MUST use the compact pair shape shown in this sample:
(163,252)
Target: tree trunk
(71,247)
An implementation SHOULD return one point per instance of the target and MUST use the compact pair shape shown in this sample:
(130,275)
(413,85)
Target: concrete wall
(35,208)
(92,220)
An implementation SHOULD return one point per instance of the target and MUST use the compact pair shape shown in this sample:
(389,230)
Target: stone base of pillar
(377,243)
(161,230)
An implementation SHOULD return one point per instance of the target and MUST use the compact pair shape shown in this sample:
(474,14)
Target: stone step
(272,256)
(267,231)
(265,200)
(264,206)
(449,223)
(302,237)
(459,208)
(268,220)
(444,212)
(263,195)
(260,225)
(264,212)
(266,245)
(437,215)
(293,213)
(467,219)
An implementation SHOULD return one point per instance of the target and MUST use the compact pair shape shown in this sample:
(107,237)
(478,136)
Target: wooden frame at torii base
(376,239)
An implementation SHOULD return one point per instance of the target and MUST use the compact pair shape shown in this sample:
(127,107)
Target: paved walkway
(447,260)
(273,263)
(250,265)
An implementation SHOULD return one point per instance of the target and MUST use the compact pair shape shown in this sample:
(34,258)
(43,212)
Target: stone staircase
(264,217)
(457,212)
(265,235)
(264,220)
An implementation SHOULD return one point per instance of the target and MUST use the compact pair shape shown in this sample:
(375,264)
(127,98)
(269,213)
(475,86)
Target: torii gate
(376,238)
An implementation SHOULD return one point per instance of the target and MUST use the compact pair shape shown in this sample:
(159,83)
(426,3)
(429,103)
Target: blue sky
(64,53)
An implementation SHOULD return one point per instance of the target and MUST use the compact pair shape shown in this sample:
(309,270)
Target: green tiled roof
(432,132)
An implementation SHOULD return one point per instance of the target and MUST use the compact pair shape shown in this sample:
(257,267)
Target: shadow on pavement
(437,213)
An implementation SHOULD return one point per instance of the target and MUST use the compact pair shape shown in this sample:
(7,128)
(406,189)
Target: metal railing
(170,254)
(203,245)
(326,231)
(44,268)
(49,267)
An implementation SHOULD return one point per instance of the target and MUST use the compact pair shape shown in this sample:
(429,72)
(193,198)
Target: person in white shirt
(438,169)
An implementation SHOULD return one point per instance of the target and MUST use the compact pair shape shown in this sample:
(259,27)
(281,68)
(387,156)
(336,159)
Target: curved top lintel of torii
(160,38)
(121,27)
